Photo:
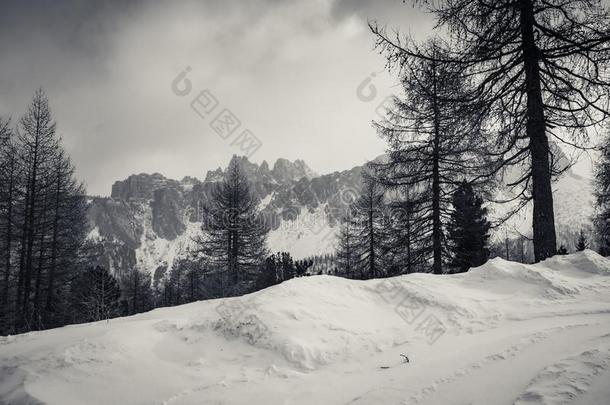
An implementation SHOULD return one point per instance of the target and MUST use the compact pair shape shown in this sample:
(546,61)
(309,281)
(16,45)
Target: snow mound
(563,382)
(525,280)
(323,339)
(582,262)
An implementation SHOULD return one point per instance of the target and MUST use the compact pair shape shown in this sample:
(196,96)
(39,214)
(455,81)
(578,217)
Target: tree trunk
(136,283)
(372,268)
(408,241)
(437,267)
(30,234)
(545,243)
(38,282)
(9,239)
(51,286)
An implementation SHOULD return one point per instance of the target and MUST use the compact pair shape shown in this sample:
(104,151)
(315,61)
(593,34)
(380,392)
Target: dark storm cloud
(288,68)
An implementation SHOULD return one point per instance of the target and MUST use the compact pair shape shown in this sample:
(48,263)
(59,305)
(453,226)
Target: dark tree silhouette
(137,292)
(582,243)
(8,185)
(406,240)
(602,198)
(234,232)
(468,229)
(368,220)
(96,295)
(42,222)
(346,249)
(432,146)
(539,69)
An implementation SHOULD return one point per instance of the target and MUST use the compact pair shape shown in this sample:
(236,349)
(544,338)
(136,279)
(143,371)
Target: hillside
(329,340)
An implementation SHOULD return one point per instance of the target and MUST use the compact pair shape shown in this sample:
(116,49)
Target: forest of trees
(42,222)
(381,237)
(495,95)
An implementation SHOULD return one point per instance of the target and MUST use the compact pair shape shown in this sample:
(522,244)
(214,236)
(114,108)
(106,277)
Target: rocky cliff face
(149,221)
(168,212)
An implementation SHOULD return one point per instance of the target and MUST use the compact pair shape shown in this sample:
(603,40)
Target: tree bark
(372,267)
(39,267)
(437,266)
(9,238)
(545,243)
(51,286)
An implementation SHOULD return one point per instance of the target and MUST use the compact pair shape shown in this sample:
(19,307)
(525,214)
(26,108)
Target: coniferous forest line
(506,83)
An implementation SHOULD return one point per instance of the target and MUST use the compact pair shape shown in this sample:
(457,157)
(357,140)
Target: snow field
(502,333)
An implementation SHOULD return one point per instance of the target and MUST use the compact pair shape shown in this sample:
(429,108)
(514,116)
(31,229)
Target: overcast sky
(288,70)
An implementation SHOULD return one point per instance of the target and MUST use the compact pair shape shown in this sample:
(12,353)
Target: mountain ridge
(150,220)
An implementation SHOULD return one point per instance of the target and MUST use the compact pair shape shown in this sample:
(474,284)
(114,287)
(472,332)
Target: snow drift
(502,333)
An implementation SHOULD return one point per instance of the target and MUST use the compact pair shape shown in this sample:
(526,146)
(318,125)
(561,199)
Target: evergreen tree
(346,249)
(95,295)
(301,267)
(8,185)
(468,229)
(280,267)
(582,242)
(268,274)
(432,146)
(66,238)
(175,284)
(287,269)
(42,222)
(195,283)
(368,217)
(234,232)
(37,148)
(137,291)
(406,241)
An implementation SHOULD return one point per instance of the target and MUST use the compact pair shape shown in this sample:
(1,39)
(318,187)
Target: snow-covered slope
(310,233)
(500,334)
